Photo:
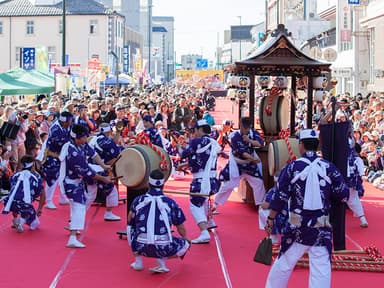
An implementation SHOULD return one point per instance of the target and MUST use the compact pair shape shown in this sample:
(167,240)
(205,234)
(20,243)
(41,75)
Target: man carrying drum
(202,154)
(149,226)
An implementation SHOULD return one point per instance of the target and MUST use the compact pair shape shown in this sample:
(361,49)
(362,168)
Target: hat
(375,133)
(308,134)
(119,107)
(148,118)
(159,123)
(39,113)
(134,109)
(369,135)
(81,106)
(156,178)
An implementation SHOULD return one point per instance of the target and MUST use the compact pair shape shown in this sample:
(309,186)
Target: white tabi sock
(205,234)
(161,262)
(139,261)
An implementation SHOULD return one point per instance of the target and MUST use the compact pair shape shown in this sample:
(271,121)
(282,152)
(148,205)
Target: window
(93,27)
(52,54)
(30,27)
(1,27)
(372,55)
(18,53)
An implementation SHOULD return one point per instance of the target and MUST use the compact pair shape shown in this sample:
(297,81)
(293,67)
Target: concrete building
(299,17)
(163,49)
(91,30)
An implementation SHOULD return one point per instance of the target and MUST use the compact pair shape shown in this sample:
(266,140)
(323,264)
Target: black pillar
(252,98)
(309,101)
(293,107)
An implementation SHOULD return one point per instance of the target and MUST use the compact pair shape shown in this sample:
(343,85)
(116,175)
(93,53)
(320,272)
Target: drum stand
(131,195)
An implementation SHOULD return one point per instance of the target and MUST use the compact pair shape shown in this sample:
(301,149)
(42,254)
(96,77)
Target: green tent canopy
(18,81)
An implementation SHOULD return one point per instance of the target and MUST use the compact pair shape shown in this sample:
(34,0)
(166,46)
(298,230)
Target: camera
(24,116)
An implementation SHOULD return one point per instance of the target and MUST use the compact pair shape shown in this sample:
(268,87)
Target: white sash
(210,165)
(163,207)
(311,173)
(24,177)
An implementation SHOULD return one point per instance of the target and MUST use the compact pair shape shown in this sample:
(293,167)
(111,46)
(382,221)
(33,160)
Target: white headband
(27,165)
(156,182)
(105,129)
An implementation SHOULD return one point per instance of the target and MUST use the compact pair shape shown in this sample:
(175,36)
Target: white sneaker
(159,269)
(64,202)
(50,205)
(109,216)
(137,267)
(74,243)
(202,239)
(363,222)
(19,223)
(211,224)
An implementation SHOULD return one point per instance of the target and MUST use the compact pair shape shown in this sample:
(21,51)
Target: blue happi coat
(57,137)
(163,244)
(308,227)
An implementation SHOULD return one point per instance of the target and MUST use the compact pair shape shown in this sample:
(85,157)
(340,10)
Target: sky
(200,24)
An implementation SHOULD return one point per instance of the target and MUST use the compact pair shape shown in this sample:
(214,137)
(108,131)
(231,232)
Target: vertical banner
(126,59)
(29,58)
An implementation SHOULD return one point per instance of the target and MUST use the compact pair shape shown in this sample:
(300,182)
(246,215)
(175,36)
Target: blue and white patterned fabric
(57,137)
(307,227)
(150,233)
(154,136)
(238,147)
(77,171)
(198,162)
(26,186)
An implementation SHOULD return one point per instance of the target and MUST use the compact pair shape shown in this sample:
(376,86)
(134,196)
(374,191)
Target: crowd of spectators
(172,110)
(366,112)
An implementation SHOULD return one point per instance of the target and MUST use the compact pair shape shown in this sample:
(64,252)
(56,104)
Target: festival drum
(278,154)
(274,116)
(136,162)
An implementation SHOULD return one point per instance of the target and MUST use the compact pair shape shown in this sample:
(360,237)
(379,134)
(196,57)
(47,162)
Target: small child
(281,218)
(26,186)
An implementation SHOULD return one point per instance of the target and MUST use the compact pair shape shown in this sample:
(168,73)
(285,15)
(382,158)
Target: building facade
(91,31)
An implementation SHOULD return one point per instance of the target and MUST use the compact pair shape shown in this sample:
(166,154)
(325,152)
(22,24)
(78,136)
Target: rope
(284,134)
(143,138)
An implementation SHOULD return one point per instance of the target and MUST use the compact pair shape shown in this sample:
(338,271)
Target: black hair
(358,148)
(310,144)
(206,129)
(79,129)
(27,159)
(246,122)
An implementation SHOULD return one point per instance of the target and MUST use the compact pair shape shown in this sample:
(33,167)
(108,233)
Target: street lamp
(240,37)
(63,36)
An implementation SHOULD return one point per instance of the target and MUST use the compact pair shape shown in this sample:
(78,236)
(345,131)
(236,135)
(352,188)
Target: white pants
(354,203)
(112,200)
(200,214)
(50,191)
(77,215)
(226,188)
(319,267)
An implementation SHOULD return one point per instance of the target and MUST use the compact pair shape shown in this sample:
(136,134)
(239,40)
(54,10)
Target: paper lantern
(320,82)
(263,81)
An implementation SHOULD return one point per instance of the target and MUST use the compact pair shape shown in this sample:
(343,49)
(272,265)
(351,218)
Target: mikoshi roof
(279,56)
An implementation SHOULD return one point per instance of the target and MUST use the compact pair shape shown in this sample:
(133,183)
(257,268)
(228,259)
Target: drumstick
(116,178)
(114,162)
(185,193)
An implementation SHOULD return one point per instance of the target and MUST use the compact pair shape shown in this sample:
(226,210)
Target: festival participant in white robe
(26,187)
(202,154)
(149,227)
(243,163)
(108,151)
(74,171)
(58,135)
(307,184)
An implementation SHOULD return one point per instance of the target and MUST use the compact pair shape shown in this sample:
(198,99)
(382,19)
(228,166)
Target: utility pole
(63,34)
(240,38)
(149,35)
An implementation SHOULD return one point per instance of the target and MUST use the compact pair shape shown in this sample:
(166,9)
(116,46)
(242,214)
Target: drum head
(131,165)
(271,159)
